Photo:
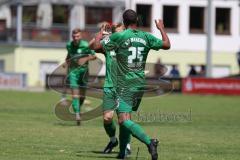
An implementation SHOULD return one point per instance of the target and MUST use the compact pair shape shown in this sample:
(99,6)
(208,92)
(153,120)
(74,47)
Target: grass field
(29,130)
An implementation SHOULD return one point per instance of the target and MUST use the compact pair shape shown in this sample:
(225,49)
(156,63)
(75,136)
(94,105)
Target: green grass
(30,130)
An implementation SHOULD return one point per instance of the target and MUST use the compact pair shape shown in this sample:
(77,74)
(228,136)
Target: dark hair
(76,30)
(115,26)
(129,17)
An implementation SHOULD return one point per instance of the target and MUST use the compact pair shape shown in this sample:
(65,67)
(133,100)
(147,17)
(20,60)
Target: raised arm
(166,42)
(91,42)
(96,43)
(84,60)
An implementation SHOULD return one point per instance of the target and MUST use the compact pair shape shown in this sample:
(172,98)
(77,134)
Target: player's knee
(75,96)
(108,117)
(123,117)
(107,120)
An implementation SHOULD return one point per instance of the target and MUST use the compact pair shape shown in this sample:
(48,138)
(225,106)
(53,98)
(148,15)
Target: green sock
(81,100)
(75,105)
(137,131)
(110,129)
(124,139)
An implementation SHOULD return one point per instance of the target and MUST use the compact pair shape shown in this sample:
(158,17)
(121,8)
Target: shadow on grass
(101,155)
(67,124)
(98,152)
(98,155)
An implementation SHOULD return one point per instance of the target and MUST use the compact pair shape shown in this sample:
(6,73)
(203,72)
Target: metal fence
(35,36)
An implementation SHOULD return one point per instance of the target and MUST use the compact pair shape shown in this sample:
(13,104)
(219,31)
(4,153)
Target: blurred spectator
(202,72)
(159,69)
(174,72)
(192,71)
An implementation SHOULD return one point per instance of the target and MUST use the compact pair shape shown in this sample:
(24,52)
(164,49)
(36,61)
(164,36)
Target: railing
(8,35)
(35,36)
(53,34)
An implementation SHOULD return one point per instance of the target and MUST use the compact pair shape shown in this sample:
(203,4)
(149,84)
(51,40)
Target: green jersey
(132,48)
(110,71)
(110,61)
(75,52)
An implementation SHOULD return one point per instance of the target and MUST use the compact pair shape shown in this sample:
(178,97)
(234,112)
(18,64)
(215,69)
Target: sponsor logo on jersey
(79,51)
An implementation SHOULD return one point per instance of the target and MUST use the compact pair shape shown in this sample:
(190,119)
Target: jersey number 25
(136,54)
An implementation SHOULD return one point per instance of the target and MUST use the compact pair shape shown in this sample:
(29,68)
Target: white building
(52,20)
(186,23)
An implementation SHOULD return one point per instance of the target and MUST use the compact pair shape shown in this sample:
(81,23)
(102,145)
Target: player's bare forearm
(98,48)
(88,58)
(91,57)
(96,44)
(84,60)
(95,48)
(91,43)
(166,42)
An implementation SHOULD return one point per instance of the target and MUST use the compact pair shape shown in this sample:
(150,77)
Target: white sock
(128,146)
(77,115)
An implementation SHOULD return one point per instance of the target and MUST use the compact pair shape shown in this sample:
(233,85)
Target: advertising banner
(226,86)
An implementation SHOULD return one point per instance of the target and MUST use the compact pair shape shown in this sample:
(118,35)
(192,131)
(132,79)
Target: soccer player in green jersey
(77,59)
(132,47)
(109,96)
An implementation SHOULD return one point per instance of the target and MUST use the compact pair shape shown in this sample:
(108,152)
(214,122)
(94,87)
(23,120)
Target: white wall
(44,15)
(197,42)
(5,13)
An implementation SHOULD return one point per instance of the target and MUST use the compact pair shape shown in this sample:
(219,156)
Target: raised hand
(159,24)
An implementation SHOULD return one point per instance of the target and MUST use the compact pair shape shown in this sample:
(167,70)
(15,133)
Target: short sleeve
(85,47)
(154,43)
(88,51)
(68,46)
(92,52)
(110,43)
(104,42)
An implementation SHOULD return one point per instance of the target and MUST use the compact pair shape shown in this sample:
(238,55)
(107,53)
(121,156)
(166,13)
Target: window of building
(170,18)
(60,14)
(13,9)
(197,20)
(222,23)
(95,15)
(29,14)
(2,65)
(144,13)
(3,30)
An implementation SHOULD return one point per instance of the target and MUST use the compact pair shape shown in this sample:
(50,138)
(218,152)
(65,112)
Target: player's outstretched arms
(91,42)
(166,42)
(96,43)
(91,57)
(84,60)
